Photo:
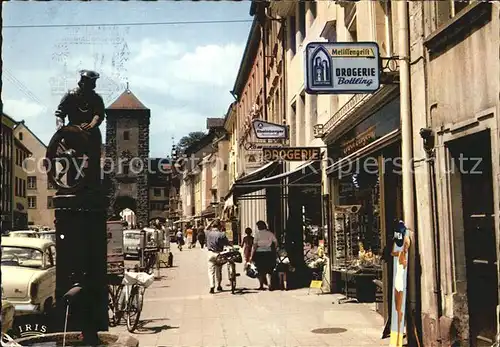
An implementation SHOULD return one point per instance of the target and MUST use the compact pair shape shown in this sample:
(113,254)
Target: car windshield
(22,256)
(132,236)
(23,235)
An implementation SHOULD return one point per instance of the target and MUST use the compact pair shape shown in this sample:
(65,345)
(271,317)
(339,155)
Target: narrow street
(179,311)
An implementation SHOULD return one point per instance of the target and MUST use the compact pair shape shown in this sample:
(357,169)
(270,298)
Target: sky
(183,73)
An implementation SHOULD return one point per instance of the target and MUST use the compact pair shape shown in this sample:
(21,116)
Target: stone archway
(124,201)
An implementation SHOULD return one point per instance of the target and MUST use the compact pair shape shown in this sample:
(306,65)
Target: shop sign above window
(292,153)
(361,140)
(342,67)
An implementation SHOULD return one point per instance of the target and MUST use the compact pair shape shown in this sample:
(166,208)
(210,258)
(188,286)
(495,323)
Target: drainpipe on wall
(407,156)
(264,71)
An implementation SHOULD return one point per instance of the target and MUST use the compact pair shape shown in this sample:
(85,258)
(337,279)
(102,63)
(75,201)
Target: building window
(157,192)
(125,168)
(50,202)
(16,186)
(31,201)
(158,206)
(448,9)
(20,136)
(23,187)
(31,182)
(126,135)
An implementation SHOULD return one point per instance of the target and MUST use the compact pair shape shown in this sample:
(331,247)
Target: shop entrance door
(472,159)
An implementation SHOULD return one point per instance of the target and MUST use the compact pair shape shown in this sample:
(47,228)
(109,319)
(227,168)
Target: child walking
(247,246)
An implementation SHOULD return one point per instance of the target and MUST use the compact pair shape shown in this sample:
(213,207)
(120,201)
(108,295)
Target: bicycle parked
(230,255)
(127,298)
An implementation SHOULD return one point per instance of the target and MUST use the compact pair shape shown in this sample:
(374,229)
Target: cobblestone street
(179,311)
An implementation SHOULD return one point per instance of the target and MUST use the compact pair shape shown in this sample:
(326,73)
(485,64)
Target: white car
(23,233)
(28,274)
(131,242)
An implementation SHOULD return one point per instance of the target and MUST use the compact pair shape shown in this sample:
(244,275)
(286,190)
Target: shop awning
(371,148)
(209,211)
(308,174)
(240,185)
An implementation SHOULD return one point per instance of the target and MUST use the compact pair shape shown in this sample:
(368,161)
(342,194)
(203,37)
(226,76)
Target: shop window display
(357,221)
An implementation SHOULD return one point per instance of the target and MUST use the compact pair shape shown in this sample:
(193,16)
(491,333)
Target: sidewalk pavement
(179,311)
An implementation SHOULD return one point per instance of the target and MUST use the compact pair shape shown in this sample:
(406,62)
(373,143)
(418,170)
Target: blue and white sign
(342,68)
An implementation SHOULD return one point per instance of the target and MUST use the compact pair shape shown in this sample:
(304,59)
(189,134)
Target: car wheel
(47,306)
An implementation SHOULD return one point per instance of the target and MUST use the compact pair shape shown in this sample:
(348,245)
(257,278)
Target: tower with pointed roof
(127,152)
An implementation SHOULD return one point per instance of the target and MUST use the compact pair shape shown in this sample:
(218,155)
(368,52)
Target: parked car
(48,235)
(131,243)
(28,274)
(23,233)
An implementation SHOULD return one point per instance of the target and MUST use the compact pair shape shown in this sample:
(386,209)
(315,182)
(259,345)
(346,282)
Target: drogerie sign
(292,153)
(342,67)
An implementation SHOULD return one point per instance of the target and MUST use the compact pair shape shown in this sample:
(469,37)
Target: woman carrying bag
(264,254)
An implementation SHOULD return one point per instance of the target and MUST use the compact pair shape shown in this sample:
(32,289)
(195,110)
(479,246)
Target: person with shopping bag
(264,249)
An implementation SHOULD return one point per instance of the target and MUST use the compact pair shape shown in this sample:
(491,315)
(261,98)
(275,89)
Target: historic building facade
(39,191)
(6,161)
(455,88)
(259,91)
(20,206)
(127,153)
(161,188)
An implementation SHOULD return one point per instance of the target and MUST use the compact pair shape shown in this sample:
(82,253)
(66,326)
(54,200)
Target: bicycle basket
(142,278)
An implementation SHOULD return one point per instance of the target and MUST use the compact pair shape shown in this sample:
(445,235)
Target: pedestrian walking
(201,236)
(189,235)
(247,245)
(180,239)
(216,240)
(264,249)
(194,237)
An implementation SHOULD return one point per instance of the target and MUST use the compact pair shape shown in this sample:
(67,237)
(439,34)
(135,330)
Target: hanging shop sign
(292,153)
(257,146)
(400,275)
(270,131)
(342,67)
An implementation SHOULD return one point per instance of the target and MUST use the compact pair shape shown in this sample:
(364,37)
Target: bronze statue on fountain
(73,166)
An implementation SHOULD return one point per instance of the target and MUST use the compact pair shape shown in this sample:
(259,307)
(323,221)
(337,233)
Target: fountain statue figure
(73,167)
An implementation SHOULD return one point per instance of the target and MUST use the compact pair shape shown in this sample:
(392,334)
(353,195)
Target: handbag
(251,271)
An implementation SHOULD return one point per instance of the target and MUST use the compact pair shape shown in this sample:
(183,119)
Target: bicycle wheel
(115,312)
(134,308)
(111,307)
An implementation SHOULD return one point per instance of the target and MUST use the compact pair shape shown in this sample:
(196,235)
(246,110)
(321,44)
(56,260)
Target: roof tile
(127,101)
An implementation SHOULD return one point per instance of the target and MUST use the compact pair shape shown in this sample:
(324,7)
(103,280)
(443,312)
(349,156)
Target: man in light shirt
(216,240)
